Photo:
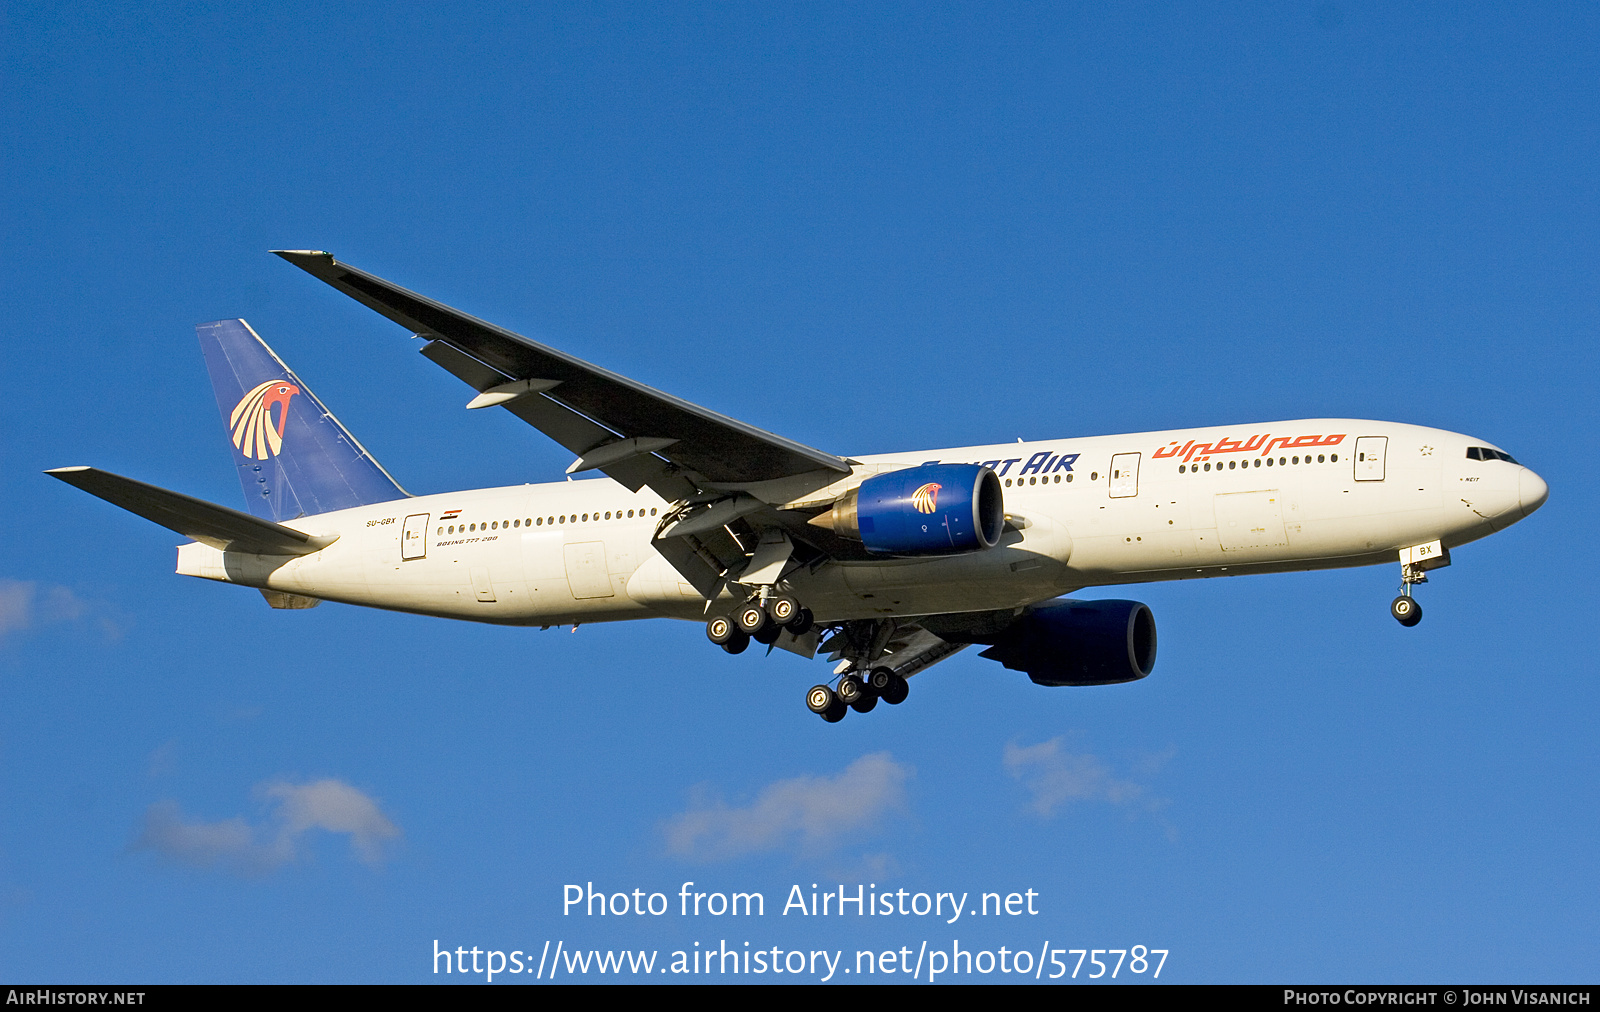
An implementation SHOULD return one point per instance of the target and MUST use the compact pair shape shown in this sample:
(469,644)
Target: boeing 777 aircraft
(887,563)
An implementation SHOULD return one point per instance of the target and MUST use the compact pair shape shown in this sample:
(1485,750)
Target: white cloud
(337,807)
(16,606)
(231,843)
(1055,777)
(808,815)
(329,805)
(26,605)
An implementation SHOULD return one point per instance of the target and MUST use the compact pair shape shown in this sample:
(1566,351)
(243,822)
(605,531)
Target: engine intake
(934,509)
(1068,642)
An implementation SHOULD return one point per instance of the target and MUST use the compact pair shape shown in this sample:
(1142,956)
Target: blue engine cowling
(1068,642)
(934,509)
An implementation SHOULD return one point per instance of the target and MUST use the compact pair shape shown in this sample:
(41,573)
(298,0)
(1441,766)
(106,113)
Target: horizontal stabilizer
(218,526)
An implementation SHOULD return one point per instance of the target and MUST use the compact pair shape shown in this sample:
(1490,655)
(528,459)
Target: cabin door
(1370,451)
(1124,475)
(414,538)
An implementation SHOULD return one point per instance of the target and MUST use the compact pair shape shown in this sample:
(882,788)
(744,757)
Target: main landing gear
(762,621)
(855,693)
(861,682)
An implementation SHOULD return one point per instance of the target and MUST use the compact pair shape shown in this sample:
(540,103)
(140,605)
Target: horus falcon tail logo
(251,422)
(926,498)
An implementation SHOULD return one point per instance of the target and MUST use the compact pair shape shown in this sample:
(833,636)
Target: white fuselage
(1218,501)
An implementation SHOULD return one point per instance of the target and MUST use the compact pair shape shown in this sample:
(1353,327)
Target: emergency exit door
(414,537)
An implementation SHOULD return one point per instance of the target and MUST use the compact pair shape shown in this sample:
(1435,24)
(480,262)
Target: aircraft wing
(218,526)
(902,645)
(633,433)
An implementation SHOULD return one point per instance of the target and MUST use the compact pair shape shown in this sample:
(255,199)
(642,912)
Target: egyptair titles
(1195,451)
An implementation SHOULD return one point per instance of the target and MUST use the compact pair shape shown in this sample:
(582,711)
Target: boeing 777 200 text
(887,563)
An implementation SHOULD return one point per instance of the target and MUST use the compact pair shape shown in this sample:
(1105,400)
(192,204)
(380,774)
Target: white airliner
(887,563)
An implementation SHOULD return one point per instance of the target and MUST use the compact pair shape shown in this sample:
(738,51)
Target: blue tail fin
(297,460)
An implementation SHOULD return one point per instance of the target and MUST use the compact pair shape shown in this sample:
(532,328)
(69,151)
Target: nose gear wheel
(1406,610)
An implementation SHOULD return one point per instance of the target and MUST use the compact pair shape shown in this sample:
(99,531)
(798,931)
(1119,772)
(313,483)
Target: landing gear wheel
(737,644)
(801,623)
(1406,610)
(822,701)
(879,680)
(865,703)
(751,619)
(850,690)
(897,691)
(783,609)
(768,634)
(720,630)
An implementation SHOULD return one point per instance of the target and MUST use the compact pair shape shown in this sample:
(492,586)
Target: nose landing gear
(1414,565)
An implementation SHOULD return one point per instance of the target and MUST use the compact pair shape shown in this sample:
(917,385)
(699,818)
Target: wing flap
(218,526)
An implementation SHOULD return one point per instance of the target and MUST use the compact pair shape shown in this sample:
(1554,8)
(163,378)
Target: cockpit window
(1486,453)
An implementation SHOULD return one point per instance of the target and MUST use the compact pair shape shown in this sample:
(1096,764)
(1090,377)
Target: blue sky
(869,228)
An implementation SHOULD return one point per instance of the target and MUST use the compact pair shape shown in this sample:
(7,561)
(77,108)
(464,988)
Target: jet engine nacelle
(933,509)
(1068,642)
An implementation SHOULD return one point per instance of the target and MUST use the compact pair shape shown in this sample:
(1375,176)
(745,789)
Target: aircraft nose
(1531,492)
